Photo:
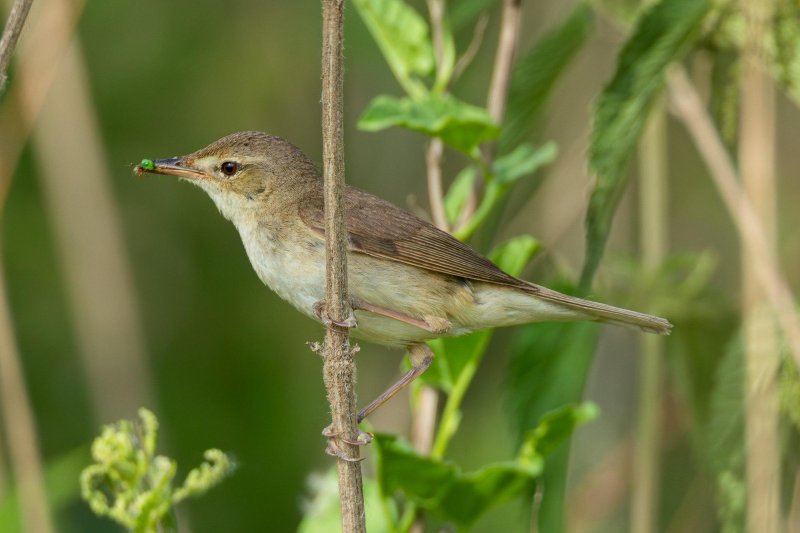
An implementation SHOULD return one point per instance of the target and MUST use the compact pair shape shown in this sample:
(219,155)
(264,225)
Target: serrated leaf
(548,368)
(453,354)
(442,489)
(460,125)
(537,71)
(725,93)
(786,47)
(402,35)
(662,35)
(458,193)
(523,161)
(726,443)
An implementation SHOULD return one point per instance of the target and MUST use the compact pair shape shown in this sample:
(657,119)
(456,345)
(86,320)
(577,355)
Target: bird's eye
(229,168)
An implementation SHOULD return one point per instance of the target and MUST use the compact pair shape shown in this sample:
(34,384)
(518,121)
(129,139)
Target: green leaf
(458,193)
(322,510)
(786,47)
(461,125)
(536,74)
(726,438)
(662,35)
(507,170)
(523,161)
(548,369)
(442,489)
(464,11)
(455,354)
(725,76)
(402,36)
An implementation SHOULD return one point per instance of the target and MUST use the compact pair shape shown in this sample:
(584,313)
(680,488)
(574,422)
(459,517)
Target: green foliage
(786,46)
(457,355)
(461,498)
(460,125)
(661,36)
(537,71)
(132,485)
(402,36)
(464,11)
(322,511)
(524,161)
(725,76)
(726,438)
(790,391)
(549,364)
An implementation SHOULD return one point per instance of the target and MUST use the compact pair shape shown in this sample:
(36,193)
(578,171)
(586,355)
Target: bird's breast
(291,265)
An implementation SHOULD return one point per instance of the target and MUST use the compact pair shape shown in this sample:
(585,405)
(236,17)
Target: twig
(761,346)
(14,24)
(23,446)
(472,50)
(688,107)
(653,241)
(498,88)
(338,368)
(40,54)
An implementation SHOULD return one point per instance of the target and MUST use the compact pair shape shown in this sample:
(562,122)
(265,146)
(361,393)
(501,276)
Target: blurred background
(126,291)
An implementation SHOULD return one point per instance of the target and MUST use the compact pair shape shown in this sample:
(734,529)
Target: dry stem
(14,24)
(761,345)
(339,368)
(688,107)
(23,446)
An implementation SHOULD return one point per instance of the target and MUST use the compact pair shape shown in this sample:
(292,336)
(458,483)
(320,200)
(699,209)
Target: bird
(408,281)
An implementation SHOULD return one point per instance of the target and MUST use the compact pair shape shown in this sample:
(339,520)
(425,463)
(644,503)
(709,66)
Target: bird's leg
(421,358)
(321,312)
(432,324)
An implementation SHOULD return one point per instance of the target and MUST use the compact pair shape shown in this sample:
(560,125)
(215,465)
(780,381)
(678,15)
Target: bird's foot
(334,450)
(321,312)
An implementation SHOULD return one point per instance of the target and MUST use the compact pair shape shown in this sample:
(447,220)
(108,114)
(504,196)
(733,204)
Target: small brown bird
(409,281)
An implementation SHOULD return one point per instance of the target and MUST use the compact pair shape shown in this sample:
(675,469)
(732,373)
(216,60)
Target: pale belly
(298,276)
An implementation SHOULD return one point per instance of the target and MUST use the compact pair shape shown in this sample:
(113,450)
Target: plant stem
(11,32)
(20,428)
(653,241)
(338,368)
(689,108)
(497,98)
(761,346)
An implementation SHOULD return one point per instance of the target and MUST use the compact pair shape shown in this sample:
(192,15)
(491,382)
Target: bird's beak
(174,166)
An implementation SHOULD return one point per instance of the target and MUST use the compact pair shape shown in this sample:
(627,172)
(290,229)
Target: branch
(498,88)
(14,24)
(688,107)
(338,367)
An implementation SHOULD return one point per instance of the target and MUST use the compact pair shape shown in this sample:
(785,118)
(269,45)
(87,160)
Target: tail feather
(606,313)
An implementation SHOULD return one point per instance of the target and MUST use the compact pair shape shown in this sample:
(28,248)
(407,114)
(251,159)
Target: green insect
(147,164)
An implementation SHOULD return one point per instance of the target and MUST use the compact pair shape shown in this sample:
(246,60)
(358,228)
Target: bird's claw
(334,450)
(322,314)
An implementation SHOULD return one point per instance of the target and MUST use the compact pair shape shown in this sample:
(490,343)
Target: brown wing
(377,228)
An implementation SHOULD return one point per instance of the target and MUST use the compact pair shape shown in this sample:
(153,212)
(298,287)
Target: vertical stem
(761,346)
(23,445)
(338,368)
(653,241)
(498,86)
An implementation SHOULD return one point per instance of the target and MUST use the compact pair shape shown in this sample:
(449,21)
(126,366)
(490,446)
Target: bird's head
(241,170)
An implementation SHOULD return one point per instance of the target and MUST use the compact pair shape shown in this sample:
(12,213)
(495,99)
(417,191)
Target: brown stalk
(14,23)
(89,239)
(20,427)
(338,366)
(653,243)
(687,105)
(761,345)
(498,87)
